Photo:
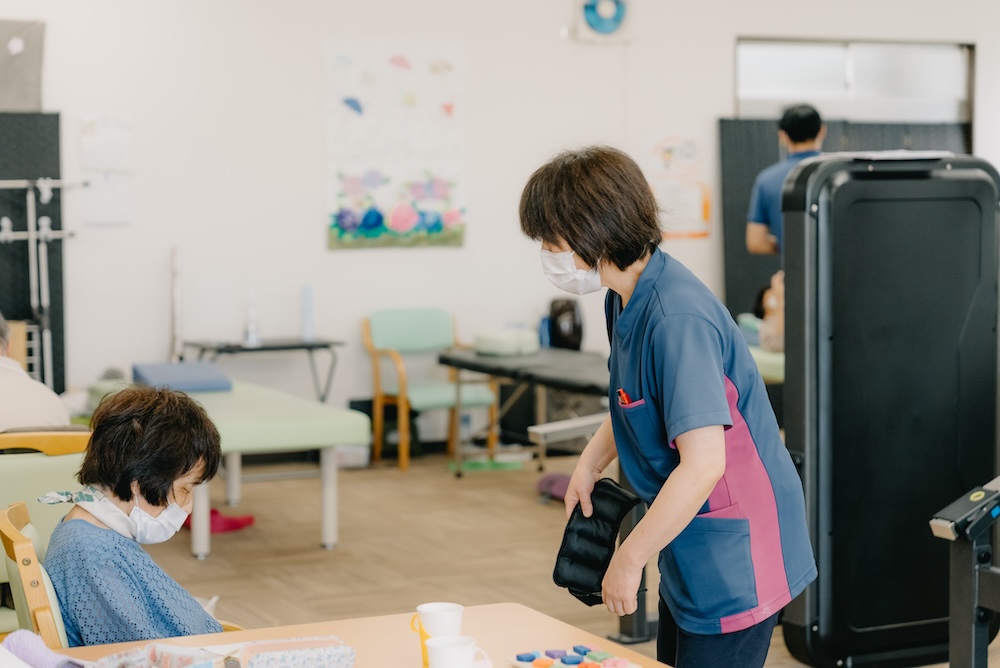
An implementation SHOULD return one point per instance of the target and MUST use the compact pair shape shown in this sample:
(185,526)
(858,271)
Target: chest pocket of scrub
(708,567)
(648,438)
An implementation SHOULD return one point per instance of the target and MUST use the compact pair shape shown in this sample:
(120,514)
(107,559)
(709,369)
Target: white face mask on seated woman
(561,269)
(149,529)
(137,524)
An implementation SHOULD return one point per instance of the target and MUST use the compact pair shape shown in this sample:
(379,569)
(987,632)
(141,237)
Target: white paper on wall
(106,167)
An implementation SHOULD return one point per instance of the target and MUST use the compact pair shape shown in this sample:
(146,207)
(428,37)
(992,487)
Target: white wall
(225,101)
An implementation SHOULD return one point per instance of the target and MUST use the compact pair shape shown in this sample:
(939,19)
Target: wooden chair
(395,333)
(50,442)
(34,599)
(31,464)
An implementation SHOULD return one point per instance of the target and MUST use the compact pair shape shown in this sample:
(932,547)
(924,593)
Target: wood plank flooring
(404,539)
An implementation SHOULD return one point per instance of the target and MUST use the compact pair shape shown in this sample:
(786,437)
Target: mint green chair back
(412,330)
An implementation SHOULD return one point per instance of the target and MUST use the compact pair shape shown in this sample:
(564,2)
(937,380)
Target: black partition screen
(891,390)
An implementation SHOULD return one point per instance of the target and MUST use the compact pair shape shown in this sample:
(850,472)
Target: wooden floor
(404,539)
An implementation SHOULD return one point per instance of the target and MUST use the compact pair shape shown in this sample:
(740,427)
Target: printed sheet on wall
(394,145)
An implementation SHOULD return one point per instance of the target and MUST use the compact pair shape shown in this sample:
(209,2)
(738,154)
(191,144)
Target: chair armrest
(397,363)
(46,624)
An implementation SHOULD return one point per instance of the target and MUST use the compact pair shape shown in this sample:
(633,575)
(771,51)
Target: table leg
(234,477)
(201,524)
(460,444)
(328,496)
(541,417)
(322,392)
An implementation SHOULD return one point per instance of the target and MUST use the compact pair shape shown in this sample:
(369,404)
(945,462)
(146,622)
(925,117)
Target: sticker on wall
(675,167)
(394,146)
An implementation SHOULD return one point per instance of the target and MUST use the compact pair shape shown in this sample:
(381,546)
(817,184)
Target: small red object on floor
(220,523)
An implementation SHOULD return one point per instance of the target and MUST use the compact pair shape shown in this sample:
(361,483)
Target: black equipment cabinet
(890,389)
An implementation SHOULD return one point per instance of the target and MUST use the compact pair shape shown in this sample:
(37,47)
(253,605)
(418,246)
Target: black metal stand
(637,627)
(974,582)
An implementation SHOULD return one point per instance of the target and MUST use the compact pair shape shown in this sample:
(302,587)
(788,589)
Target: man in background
(24,402)
(800,133)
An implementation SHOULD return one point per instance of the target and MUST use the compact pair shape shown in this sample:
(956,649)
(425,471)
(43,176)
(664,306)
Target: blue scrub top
(680,359)
(765,200)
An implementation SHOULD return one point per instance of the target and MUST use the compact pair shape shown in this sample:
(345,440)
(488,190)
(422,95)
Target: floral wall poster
(394,146)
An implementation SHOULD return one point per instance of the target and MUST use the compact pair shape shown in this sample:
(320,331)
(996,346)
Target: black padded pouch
(589,542)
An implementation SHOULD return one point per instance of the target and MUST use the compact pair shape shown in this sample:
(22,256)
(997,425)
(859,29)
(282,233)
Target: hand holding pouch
(589,542)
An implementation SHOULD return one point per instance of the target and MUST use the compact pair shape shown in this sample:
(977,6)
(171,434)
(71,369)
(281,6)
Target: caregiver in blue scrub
(690,422)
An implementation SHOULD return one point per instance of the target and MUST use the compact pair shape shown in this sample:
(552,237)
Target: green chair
(397,334)
(35,600)
(31,464)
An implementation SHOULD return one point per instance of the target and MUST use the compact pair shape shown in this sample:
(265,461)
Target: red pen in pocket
(623,397)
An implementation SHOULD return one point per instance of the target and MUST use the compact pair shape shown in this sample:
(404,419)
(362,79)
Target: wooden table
(501,629)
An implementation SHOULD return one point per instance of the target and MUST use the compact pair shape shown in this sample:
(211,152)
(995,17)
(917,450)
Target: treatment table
(253,420)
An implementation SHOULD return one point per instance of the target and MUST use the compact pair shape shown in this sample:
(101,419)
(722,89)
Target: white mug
(441,619)
(455,652)
(436,619)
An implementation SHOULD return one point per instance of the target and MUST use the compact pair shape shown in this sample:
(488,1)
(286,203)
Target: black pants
(741,649)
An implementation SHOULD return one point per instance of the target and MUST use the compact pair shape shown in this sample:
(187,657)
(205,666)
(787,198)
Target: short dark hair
(597,200)
(801,123)
(152,436)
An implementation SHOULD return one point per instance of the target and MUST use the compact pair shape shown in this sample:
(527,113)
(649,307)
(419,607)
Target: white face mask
(565,275)
(149,529)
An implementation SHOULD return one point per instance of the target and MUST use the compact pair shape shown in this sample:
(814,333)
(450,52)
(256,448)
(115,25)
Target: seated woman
(149,449)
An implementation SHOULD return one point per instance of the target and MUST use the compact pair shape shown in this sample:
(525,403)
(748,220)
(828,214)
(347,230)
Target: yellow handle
(419,628)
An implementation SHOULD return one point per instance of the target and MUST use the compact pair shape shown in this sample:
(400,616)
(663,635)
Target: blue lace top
(110,590)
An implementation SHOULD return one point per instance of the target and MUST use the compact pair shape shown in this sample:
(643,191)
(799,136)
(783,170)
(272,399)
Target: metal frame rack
(38,235)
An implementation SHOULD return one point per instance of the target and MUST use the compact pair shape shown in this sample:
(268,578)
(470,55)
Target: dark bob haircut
(801,123)
(597,200)
(151,436)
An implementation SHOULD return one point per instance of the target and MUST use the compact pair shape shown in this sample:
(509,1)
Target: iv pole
(176,344)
